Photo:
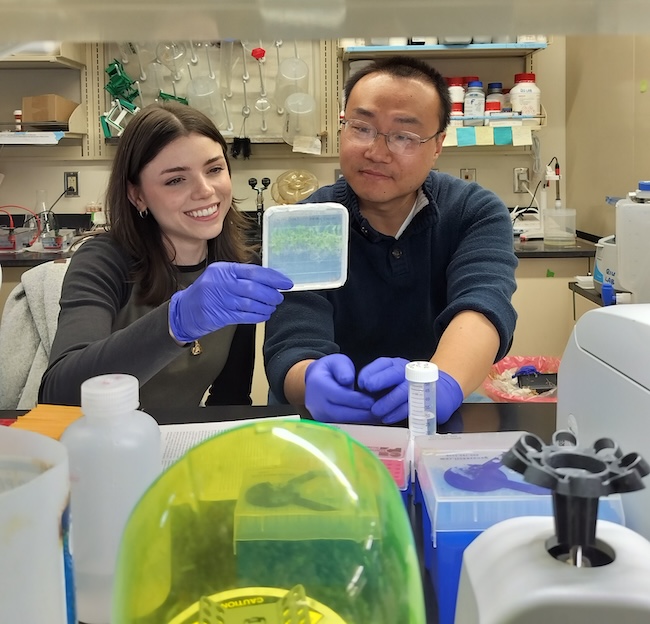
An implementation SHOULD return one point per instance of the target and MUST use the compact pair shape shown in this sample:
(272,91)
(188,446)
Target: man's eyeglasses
(398,142)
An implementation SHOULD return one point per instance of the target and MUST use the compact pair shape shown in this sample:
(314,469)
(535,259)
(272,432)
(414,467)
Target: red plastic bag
(501,387)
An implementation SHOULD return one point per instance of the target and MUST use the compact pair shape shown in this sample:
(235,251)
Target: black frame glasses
(398,141)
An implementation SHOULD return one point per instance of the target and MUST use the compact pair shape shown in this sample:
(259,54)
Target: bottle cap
(421,372)
(106,395)
(524,78)
(456,81)
(495,85)
(475,83)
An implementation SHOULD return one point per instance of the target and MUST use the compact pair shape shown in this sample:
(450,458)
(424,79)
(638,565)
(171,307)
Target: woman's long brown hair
(151,130)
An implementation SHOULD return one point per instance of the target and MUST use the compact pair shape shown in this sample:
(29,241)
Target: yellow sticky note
(484,135)
(522,135)
(451,140)
(643,86)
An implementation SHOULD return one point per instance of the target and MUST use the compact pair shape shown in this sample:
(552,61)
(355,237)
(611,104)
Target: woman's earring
(144,213)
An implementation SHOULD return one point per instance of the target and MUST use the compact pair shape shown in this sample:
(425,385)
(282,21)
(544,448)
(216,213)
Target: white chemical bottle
(115,454)
(632,234)
(525,98)
(474,103)
(422,378)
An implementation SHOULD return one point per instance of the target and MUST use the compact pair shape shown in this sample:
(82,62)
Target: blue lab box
(454,513)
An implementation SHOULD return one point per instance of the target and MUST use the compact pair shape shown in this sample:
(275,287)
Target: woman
(170,294)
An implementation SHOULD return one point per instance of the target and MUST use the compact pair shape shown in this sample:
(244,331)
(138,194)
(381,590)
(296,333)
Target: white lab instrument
(604,388)
(572,568)
(509,577)
(605,263)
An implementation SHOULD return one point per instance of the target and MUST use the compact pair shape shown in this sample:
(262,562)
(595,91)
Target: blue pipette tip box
(308,243)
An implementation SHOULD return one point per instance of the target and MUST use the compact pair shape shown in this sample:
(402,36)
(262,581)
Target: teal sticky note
(503,136)
(466,136)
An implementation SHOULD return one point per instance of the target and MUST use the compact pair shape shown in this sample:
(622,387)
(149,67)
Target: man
(431,267)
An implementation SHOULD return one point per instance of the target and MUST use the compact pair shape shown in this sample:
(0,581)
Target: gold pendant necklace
(196,348)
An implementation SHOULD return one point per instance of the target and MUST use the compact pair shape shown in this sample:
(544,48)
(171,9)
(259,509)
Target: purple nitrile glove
(387,375)
(329,391)
(449,397)
(226,293)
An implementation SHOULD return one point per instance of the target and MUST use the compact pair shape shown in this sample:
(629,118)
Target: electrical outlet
(520,179)
(71,183)
(469,175)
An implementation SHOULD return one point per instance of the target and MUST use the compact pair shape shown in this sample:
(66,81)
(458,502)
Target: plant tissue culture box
(308,243)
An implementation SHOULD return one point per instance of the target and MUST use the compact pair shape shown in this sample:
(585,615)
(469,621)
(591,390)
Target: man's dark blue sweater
(456,254)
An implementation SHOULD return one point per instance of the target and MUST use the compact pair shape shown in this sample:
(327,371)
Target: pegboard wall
(236,83)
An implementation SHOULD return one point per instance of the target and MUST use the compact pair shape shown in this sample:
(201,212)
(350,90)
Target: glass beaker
(293,77)
(41,210)
(299,117)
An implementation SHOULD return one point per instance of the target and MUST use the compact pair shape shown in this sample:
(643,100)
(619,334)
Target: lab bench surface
(528,249)
(29,259)
(537,418)
(538,249)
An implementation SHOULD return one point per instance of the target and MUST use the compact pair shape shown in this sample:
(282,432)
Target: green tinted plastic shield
(282,522)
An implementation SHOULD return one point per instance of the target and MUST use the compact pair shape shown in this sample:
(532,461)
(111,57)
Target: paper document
(176,440)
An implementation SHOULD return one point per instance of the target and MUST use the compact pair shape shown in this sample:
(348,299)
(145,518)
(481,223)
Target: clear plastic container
(114,452)
(422,378)
(559,226)
(308,243)
(299,117)
(35,565)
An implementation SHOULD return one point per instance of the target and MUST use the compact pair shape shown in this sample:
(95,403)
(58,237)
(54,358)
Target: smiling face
(188,190)
(387,183)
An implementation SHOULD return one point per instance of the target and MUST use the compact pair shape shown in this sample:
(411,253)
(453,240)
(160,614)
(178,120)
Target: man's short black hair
(406,67)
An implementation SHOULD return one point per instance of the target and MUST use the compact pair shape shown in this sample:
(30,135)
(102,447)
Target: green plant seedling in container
(308,243)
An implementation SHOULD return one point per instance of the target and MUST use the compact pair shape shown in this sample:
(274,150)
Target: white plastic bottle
(456,89)
(114,453)
(456,115)
(632,233)
(422,378)
(525,98)
(474,103)
(495,93)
